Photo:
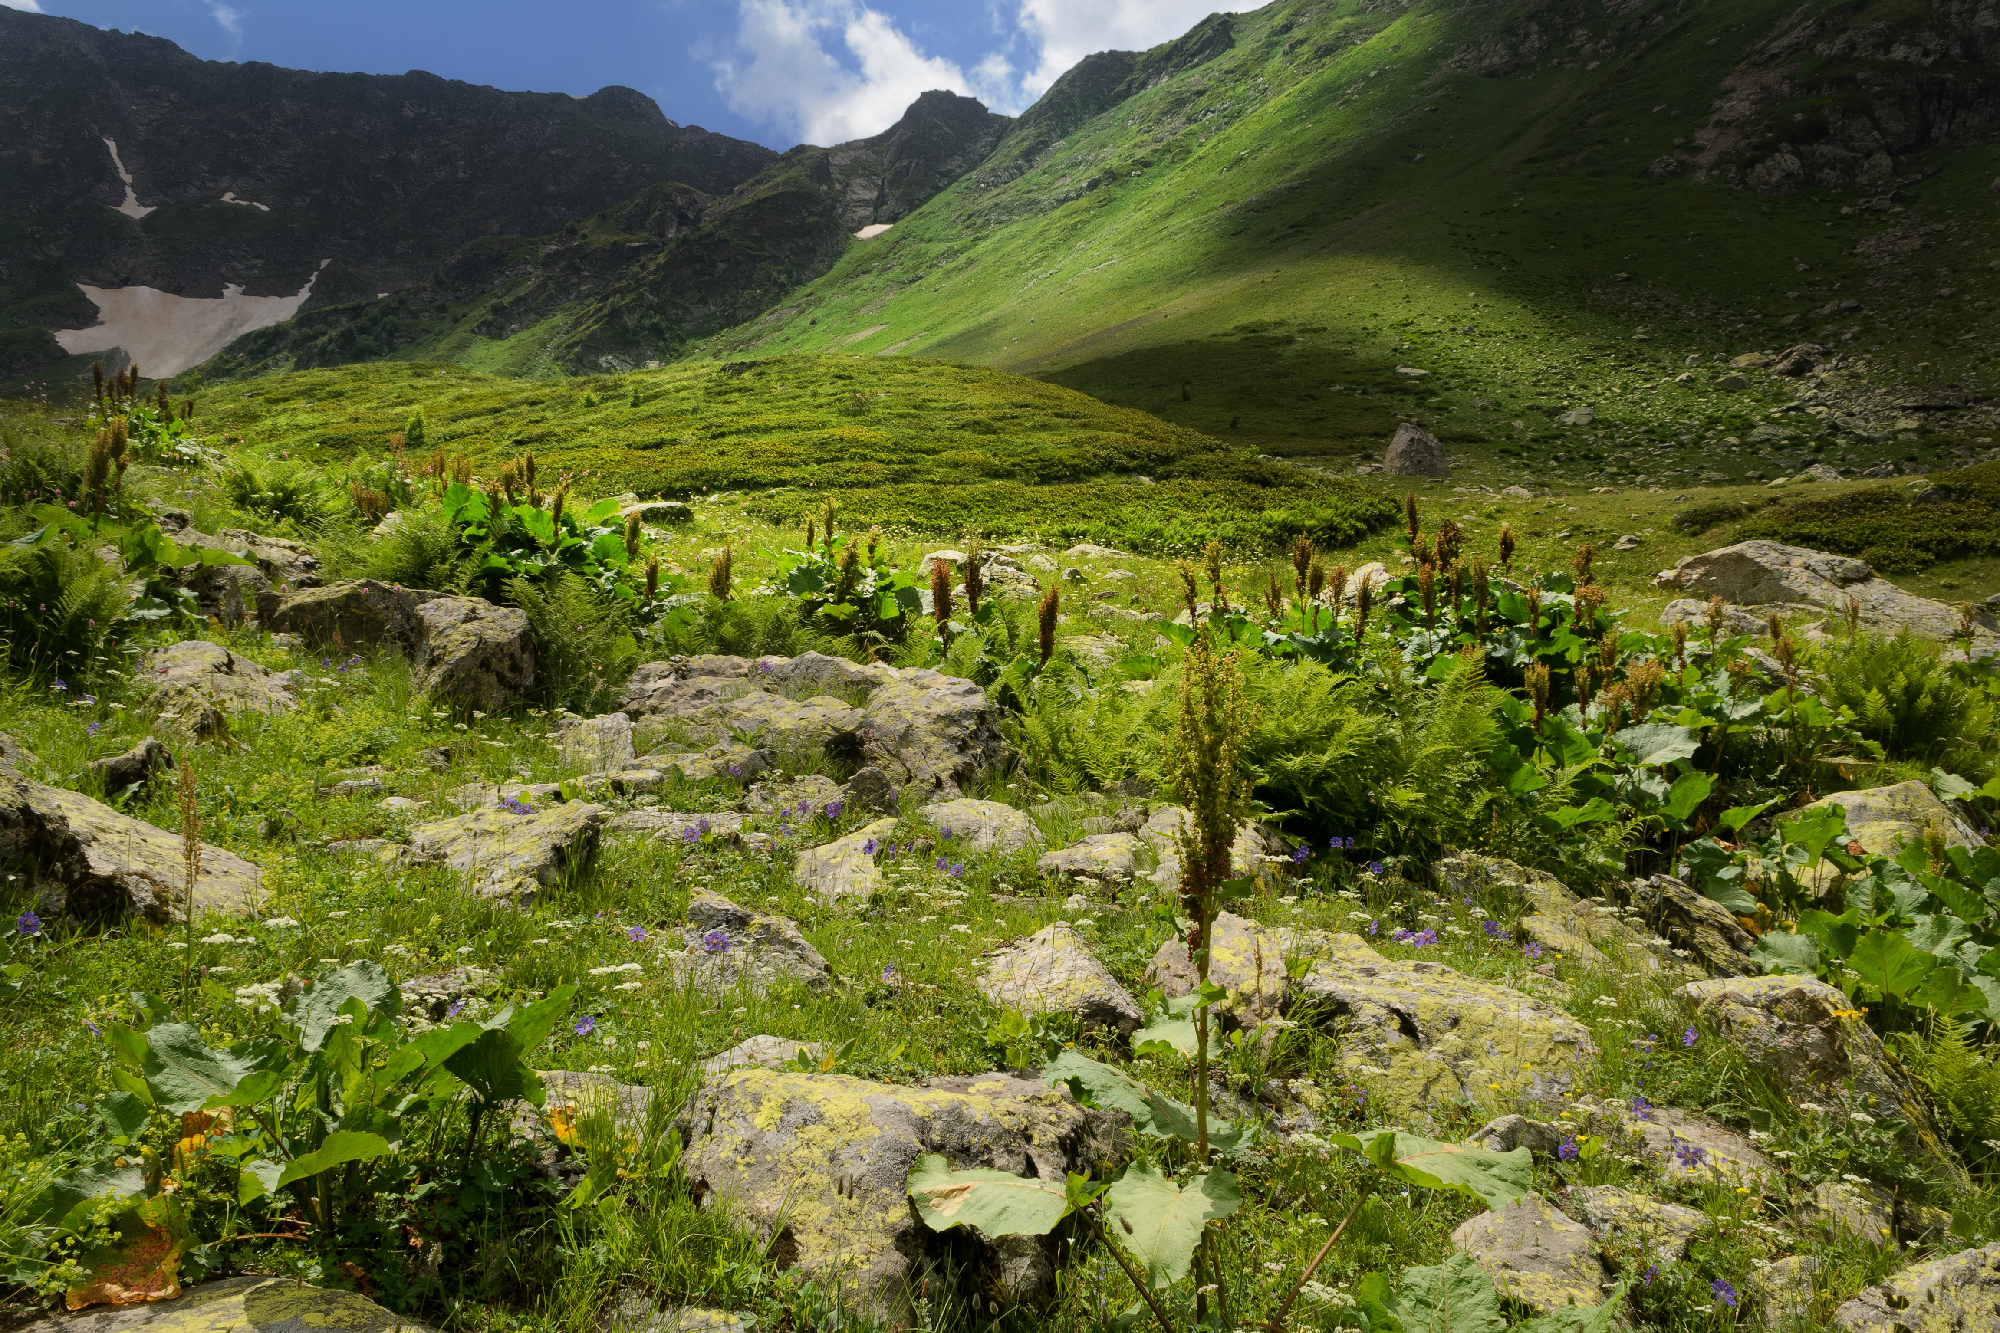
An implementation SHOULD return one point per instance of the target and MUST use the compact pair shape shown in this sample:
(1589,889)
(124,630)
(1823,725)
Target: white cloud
(230,19)
(26,6)
(1068,30)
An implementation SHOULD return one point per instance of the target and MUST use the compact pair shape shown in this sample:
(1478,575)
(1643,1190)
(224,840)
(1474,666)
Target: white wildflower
(615,967)
(280,922)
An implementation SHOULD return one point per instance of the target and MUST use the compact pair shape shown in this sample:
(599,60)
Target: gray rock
(1509,1132)
(725,762)
(845,867)
(1054,972)
(231,592)
(14,754)
(1415,452)
(1578,416)
(1885,819)
(1694,612)
(136,765)
(1783,1288)
(871,789)
(1866,1211)
(1818,472)
(1243,958)
(1630,541)
(1518,493)
(194,686)
(982,826)
(633,1312)
(1107,856)
(1800,360)
(725,946)
(816,1165)
(934,733)
(1535,1254)
(1162,833)
(1661,1230)
(1682,1146)
(237,1305)
(813,790)
(350,614)
(675,824)
(1702,927)
(473,654)
(571,1095)
(760,1052)
(1959,1293)
(594,744)
(626,782)
(510,857)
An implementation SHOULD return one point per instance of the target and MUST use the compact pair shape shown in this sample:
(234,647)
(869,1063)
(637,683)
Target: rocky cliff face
(125,161)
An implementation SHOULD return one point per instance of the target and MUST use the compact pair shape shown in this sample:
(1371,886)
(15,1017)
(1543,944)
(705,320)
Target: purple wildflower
(1375,867)
(457,1006)
(1533,949)
(868,848)
(1641,1108)
(1374,926)
(888,973)
(1652,1272)
(945,833)
(637,934)
(95,1030)
(1690,1037)
(691,834)
(1568,1150)
(763,666)
(1723,1292)
(701,824)
(716,941)
(1689,1155)
(585,1025)
(59,684)
(833,809)
(28,923)
(958,870)
(516,805)
(1492,928)
(92,728)
(940,864)
(1299,856)
(736,770)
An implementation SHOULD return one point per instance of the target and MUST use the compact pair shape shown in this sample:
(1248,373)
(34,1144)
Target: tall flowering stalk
(1045,620)
(941,599)
(190,866)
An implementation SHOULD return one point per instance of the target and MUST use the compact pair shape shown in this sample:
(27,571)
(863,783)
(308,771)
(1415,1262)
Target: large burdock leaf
(1153,1113)
(493,1067)
(339,1148)
(997,1203)
(318,1009)
(1159,1223)
(143,1264)
(1659,743)
(1581,1318)
(1455,1296)
(183,1073)
(1887,961)
(1495,1178)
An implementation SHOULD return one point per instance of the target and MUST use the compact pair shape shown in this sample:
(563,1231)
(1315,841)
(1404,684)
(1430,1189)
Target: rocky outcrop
(1699,928)
(1959,1293)
(1054,972)
(1586,930)
(1810,1041)
(1161,832)
(845,867)
(967,825)
(1244,959)
(351,614)
(473,654)
(194,686)
(1104,856)
(1423,1035)
(230,592)
(817,1162)
(1536,1254)
(759,1052)
(1793,578)
(597,744)
(724,946)
(1886,819)
(239,1305)
(1660,1230)
(1415,452)
(510,857)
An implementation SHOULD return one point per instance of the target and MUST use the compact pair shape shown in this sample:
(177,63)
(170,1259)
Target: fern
(1962,1079)
(1906,698)
(583,643)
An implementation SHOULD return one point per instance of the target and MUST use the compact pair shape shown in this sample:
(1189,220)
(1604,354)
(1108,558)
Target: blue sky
(777,71)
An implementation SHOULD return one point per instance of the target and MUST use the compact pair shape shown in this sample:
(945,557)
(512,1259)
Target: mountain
(632,285)
(125,162)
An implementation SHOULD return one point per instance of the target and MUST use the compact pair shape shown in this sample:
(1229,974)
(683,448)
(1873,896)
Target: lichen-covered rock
(1427,1036)
(85,859)
(351,614)
(472,653)
(510,857)
(193,687)
(1783,1288)
(1864,1210)
(785,795)
(1682,1146)
(1161,832)
(120,771)
(1699,927)
(1560,919)
(1109,856)
(982,826)
(931,732)
(240,1305)
(725,945)
(1508,1132)
(1810,1041)
(688,827)
(1243,958)
(230,592)
(1959,1293)
(1054,972)
(1884,819)
(845,867)
(760,1052)
(445,997)
(593,744)
(1536,1254)
(1661,1229)
(728,761)
(817,1163)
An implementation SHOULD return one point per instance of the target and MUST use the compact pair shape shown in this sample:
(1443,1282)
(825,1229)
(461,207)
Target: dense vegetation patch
(1890,529)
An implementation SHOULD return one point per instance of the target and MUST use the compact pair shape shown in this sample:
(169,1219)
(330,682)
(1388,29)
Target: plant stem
(1145,1292)
(1277,1321)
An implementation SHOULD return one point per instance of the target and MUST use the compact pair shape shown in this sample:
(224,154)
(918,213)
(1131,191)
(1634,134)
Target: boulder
(1766,573)
(1508,1132)
(760,1052)
(675,512)
(138,764)
(1560,920)
(1426,1036)
(1243,958)
(1535,1254)
(871,789)
(1700,927)
(785,795)
(845,867)
(1415,452)
(725,946)
(14,754)
(1660,1230)
(1865,1211)
(1959,1293)
(932,732)
(1693,612)
(1783,1288)
(195,685)
(727,761)
(1799,360)
(473,654)
(1054,972)
(1682,1146)
(1107,856)
(510,857)
(817,1162)
(82,858)
(676,824)
(1810,1041)
(982,826)
(231,592)
(239,1305)
(1162,833)
(442,998)
(594,744)
(347,615)
(1885,819)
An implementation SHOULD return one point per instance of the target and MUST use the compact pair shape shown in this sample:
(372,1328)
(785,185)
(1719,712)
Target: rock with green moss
(1423,1036)
(193,687)
(982,826)
(1809,1040)
(1959,1293)
(1162,832)
(1701,930)
(1683,1147)
(241,1305)
(1103,856)
(1558,919)
(1885,819)
(473,654)
(1659,1229)
(1861,1208)
(1054,972)
(724,946)
(1244,959)
(932,733)
(511,857)
(349,615)
(1536,1254)
(816,1164)
(845,868)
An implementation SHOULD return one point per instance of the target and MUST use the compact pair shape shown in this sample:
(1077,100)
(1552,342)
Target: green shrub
(422,550)
(1891,532)
(1905,697)
(58,605)
(39,465)
(584,648)
(281,491)
(1697,519)
(1963,1080)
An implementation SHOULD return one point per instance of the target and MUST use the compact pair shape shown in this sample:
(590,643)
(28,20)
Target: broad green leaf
(1455,1296)
(257,1086)
(1597,810)
(1152,1113)
(1887,962)
(1947,992)
(1737,899)
(258,1178)
(493,1068)
(1602,1318)
(124,1115)
(143,1263)
(1177,1033)
(1989,989)
(1495,1178)
(1686,795)
(1159,1223)
(1950,786)
(1734,818)
(528,1026)
(317,1009)
(1814,829)
(183,1073)
(340,1147)
(995,1202)
(104,1180)
(1964,903)
(1777,952)
(1653,743)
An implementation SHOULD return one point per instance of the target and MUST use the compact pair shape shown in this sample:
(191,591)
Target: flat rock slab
(240,1305)
(725,945)
(1111,856)
(1865,1211)
(1535,1254)
(760,1052)
(1054,972)
(1885,819)
(351,614)
(1425,1035)
(1959,1293)
(1684,1146)
(677,824)
(845,867)
(1663,1229)
(817,1164)
(982,826)
(1560,919)
(194,686)
(1244,959)
(1808,1039)
(511,857)
(814,791)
